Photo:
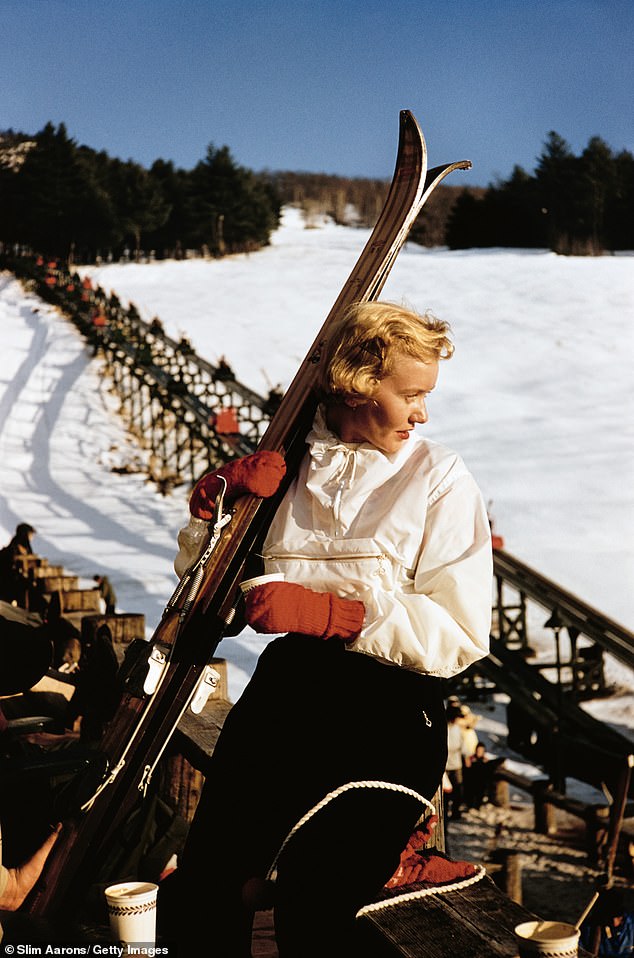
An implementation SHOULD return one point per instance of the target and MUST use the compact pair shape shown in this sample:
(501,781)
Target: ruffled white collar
(341,475)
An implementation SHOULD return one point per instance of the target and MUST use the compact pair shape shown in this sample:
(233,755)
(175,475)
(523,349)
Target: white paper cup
(249,584)
(555,939)
(132,912)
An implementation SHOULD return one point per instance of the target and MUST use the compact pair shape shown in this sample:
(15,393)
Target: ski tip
(410,130)
(406,116)
(439,172)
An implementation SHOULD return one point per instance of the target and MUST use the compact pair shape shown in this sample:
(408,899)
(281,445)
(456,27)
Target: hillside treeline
(580,205)
(349,201)
(76,203)
(570,204)
(358,202)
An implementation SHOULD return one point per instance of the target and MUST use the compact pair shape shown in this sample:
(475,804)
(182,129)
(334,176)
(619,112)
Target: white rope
(424,892)
(389,786)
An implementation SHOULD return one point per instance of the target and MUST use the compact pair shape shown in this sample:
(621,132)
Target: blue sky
(318,84)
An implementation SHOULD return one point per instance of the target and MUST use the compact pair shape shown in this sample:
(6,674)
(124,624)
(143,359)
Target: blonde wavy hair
(365,345)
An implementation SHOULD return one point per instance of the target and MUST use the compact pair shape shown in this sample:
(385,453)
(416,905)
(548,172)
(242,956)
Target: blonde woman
(340,738)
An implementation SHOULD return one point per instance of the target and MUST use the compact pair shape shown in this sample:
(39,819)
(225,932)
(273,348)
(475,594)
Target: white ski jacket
(406,533)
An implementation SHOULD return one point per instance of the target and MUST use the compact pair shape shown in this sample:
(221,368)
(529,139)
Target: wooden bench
(58,583)
(124,627)
(474,922)
(31,564)
(43,570)
(79,600)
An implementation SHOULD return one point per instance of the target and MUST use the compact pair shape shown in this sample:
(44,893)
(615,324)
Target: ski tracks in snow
(55,446)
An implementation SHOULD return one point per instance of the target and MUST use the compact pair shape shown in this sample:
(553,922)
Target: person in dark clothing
(107,593)
(24,658)
(13,583)
(20,544)
(26,652)
(29,647)
(477,778)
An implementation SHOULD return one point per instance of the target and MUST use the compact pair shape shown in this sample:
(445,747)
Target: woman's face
(387,419)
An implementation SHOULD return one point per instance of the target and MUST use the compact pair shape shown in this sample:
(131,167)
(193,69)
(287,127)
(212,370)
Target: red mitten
(288,607)
(260,474)
(431,867)
(437,869)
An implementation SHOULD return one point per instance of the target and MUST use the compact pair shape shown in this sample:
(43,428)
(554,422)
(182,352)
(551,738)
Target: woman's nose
(419,414)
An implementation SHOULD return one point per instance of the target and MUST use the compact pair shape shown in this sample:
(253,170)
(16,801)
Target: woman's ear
(353,402)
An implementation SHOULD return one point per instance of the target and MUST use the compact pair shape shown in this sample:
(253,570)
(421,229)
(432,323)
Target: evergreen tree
(555,176)
(513,212)
(58,199)
(597,178)
(231,208)
(619,209)
(466,225)
(139,201)
(579,205)
(172,236)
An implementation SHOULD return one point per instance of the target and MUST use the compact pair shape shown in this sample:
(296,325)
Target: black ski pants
(313,717)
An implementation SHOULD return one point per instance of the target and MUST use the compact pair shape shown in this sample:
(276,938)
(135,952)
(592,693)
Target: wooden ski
(196,617)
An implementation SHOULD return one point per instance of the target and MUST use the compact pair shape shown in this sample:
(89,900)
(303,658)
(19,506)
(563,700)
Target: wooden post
(500,792)
(545,822)
(437,841)
(509,878)
(617,812)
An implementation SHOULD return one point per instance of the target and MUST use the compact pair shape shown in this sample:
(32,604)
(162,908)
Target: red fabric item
(277,607)
(226,421)
(424,833)
(259,474)
(431,867)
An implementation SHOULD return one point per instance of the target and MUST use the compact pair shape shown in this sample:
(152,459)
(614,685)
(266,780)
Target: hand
(437,868)
(21,880)
(288,607)
(259,474)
